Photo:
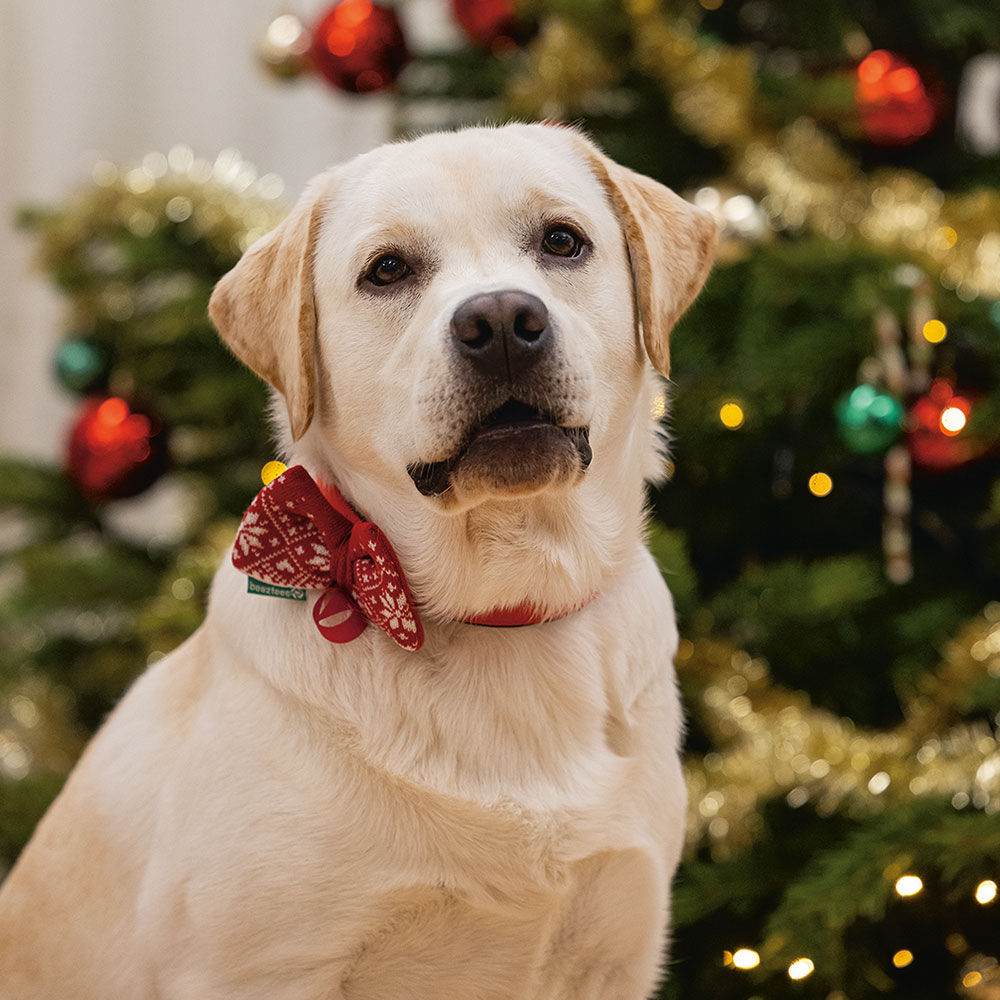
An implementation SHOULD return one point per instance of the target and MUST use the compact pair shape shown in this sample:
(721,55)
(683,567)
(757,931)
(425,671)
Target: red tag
(337,617)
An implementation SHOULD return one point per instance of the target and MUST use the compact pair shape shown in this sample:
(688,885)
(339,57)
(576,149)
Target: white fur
(496,817)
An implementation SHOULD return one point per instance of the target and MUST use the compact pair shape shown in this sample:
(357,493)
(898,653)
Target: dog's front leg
(611,940)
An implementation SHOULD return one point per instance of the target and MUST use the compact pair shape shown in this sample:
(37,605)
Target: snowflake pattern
(298,534)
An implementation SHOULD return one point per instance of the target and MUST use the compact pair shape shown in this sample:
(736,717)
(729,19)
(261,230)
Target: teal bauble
(82,364)
(868,420)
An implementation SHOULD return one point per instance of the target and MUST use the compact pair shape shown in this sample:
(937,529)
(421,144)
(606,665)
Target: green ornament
(869,421)
(82,364)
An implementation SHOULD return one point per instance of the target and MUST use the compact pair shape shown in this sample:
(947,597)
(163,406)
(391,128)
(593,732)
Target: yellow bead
(731,415)
(934,331)
(820,484)
(271,471)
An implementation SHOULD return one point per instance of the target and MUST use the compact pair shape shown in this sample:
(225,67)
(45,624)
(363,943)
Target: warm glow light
(879,782)
(903,80)
(746,958)
(820,484)
(112,411)
(873,67)
(731,415)
(350,13)
(339,41)
(909,885)
(971,979)
(284,30)
(934,331)
(902,958)
(800,968)
(986,892)
(953,419)
(947,236)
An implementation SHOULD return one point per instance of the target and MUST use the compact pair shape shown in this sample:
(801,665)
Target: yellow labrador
(460,329)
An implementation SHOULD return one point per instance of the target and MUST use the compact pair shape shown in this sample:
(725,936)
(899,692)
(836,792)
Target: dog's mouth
(511,450)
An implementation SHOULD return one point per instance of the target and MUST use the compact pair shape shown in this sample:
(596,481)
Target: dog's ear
(671,246)
(264,308)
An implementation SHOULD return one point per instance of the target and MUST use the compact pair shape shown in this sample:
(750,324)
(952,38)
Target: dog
(479,796)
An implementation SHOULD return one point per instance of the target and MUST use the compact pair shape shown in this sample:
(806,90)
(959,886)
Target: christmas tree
(831,524)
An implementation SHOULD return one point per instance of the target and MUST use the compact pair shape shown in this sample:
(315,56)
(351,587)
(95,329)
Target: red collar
(525,613)
(522,614)
(301,533)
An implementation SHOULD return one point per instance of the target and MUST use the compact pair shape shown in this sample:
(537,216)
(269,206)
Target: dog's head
(465,319)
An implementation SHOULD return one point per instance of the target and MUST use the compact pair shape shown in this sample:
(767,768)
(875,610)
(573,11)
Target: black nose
(502,333)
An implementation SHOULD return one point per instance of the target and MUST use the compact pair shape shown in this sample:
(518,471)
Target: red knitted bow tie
(296,534)
(301,534)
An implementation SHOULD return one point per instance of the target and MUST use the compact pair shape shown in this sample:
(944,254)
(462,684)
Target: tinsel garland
(222,206)
(798,172)
(803,178)
(772,742)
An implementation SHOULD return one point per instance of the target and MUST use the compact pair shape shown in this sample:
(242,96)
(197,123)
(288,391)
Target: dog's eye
(563,241)
(387,269)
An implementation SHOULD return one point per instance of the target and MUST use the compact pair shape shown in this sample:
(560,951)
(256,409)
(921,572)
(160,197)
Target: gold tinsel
(800,175)
(37,731)
(548,84)
(773,743)
(223,202)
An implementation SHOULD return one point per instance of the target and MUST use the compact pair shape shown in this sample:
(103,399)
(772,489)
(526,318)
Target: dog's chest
(508,901)
(429,898)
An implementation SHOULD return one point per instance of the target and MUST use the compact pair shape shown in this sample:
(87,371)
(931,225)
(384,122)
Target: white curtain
(82,80)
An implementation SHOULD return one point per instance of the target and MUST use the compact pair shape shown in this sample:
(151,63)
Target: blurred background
(830,527)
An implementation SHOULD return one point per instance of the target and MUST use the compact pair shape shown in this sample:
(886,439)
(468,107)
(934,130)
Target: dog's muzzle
(505,350)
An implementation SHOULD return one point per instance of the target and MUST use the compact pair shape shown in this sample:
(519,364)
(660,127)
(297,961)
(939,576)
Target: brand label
(255,586)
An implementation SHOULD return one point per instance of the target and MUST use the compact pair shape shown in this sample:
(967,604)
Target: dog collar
(300,534)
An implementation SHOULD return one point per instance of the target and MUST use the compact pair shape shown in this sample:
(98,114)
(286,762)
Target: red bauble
(358,46)
(894,104)
(490,23)
(115,450)
(937,437)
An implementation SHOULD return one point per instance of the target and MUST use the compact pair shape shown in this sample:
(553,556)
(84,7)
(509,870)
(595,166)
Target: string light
(746,958)
(775,745)
(800,968)
(909,885)
(953,419)
(820,484)
(986,892)
(934,331)
(971,979)
(731,415)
